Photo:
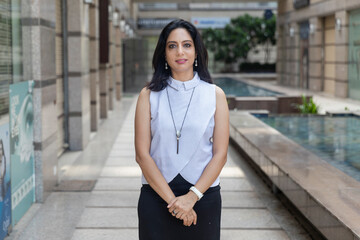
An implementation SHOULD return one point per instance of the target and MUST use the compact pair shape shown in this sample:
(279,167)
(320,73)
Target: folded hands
(181,207)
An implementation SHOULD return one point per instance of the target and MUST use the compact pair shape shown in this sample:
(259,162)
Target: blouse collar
(187,85)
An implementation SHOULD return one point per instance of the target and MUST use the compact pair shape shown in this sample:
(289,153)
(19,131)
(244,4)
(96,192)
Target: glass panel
(354,55)
(11,67)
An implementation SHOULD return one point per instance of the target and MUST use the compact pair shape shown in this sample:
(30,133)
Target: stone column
(292,55)
(103,56)
(118,62)
(316,54)
(94,65)
(111,68)
(341,51)
(38,20)
(280,48)
(79,82)
(104,89)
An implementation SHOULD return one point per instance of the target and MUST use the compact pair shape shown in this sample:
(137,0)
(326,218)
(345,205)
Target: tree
(266,36)
(242,34)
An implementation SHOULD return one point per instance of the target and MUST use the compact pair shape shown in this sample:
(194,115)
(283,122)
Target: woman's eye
(187,45)
(172,46)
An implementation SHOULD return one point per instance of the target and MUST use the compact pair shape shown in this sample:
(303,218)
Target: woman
(181,141)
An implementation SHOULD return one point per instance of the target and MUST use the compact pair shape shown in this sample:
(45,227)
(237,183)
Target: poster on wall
(5,187)
(21,148)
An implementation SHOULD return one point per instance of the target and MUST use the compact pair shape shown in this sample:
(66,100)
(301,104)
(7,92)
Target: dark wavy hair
(161,75)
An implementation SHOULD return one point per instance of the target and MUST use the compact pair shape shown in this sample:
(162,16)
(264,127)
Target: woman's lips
(181,61)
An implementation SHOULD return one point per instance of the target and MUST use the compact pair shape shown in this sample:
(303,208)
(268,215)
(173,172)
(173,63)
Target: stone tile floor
(109,211)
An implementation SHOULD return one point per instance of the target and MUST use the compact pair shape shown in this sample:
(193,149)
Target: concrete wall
(38,19)
(328,45)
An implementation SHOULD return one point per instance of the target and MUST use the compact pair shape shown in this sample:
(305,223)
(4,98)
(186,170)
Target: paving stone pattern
(111,210)
(108,212)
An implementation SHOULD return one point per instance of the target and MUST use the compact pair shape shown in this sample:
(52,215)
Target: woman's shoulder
(220,96)
(144,95)
(219,92)
(145,92)
(206,84)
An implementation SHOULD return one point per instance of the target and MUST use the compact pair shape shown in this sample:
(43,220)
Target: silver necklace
(178,132)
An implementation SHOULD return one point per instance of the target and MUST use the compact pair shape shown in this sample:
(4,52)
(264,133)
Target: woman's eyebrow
(176,42)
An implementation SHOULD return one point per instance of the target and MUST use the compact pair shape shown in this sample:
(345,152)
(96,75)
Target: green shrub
(307,107)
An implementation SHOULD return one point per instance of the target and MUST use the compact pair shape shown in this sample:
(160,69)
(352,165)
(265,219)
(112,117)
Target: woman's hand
(182,207)
(189,219)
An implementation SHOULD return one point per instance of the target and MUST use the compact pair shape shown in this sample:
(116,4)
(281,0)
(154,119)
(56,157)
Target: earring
(166,67)
(195,62)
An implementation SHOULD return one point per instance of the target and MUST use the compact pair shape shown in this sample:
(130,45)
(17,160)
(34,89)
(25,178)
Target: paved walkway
(250,211)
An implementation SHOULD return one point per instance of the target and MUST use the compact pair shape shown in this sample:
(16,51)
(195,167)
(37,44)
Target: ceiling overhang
(197,1)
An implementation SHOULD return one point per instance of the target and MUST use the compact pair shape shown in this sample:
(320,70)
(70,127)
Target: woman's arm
(220,148)
(220,145)
(148,166)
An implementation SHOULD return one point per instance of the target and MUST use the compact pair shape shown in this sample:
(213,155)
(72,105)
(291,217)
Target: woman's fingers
(172,206)
(195,217)
(180,215)
(181,204)
(190,218)
(187,220)
(178,209)
(171,203)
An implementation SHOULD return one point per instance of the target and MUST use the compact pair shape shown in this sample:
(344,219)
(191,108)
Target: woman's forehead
(179,35)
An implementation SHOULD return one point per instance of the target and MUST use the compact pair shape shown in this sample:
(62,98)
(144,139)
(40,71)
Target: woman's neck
(183,76)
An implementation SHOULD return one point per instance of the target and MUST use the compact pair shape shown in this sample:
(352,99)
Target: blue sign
(5,187)
(210,22)
(22,149)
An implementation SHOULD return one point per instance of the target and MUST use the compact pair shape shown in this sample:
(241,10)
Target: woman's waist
(180,186)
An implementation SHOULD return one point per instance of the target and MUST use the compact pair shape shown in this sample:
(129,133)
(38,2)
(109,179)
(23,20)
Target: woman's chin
(182,69)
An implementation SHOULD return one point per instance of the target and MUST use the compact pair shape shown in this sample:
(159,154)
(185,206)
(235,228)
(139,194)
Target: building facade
(318,46)
(66,58)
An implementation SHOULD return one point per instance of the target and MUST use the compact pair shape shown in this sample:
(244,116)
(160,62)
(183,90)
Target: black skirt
(156,223)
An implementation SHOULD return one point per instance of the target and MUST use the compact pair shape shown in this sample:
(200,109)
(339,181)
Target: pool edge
(321,208)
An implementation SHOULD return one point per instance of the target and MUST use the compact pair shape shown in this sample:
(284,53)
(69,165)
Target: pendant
(178,135)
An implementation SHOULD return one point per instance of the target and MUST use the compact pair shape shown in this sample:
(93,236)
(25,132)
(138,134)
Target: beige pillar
(79,74)
(39,62)
(341,51)
(94,65)
(280,48)
(316,54)
(118,62)
(104,90)
(291,65)
(110,70)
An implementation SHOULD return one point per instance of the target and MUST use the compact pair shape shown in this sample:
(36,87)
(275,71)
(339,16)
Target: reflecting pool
(242,89)
(334,139)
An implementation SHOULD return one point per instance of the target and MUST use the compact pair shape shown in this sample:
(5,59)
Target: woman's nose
(180,50)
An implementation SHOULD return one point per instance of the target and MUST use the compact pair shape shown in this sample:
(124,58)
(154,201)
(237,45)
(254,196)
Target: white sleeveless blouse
(195,147)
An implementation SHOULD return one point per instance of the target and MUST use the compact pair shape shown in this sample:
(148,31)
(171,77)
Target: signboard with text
(301,3)
(153,23)
(5,183)
(21,148)
(210,22)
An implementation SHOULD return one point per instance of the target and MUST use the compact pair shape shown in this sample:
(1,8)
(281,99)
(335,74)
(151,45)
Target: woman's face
(180,51)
